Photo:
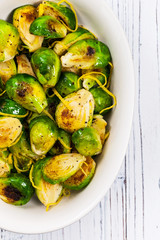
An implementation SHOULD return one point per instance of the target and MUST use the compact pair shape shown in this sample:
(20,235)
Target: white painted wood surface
(131,208)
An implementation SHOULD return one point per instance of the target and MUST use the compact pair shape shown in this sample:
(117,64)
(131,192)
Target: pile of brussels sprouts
(54,91)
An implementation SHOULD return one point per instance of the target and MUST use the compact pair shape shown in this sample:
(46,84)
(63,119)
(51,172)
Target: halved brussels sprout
(22,153)
(87,141)
(59,168)
(10,131)
(6,163)
(63,144)
(24,65)
(48,27)
(7,70)
(81,34)
(82,177)
(10,108)
(9,40)
(88,82)
(43,134)
(26,90)
(47,66)
(60,12)
(87,54)
(68,83)
(102,99)
(79,113)
(47,193)
(100,125)
(16,189)
(22,19)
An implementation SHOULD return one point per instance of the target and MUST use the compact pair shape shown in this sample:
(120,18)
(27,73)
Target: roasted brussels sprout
(26,90)
(22,153)
(62,145)
(48,27)
(87,141)
(60,12)
(87,54)
(16,189)
(68,83)
(10,108)
(22,19)
(47,66)
(81,33)
(82,177)
(9,40)
(100,125)
(6,163)
(102,99)
(7,70)
(47,193)
(24,65)
(59,168)
(10,131)
(43,134)
(99,74)
(77,112)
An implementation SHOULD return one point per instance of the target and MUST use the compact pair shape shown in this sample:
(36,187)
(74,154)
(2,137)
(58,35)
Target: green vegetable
(71,38)
(6,163)
(60,12)
(48,27)
(87,141)
(100,125)
(43,134)
(47,66)
(10,131)
(47,193)
(23,155)
(102,99)
(61,167)
(22,19)
(62,145)
(77,111)
(7,70)
(11,108)
(26,90)
(68,83)
(87,54)
(82,177)
(9,40)
(16,189)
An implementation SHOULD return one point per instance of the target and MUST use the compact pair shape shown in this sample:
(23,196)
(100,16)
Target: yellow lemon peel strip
(31,179)
(53,204)
(70,5)
(83,171)
(10,160)
(107,135)
(89,75)
(1,94)
(63,143)
(12,115)
(62,100)
(48,114)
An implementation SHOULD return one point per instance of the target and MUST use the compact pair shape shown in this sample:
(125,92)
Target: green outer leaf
(63,12)
(68,83)
(22,184)
(48,27)
(11,107)
(102,99)
(47,66)
(26,90)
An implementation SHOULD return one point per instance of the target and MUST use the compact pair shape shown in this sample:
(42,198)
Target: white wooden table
(131,208)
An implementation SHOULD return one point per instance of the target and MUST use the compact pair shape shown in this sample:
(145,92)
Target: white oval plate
(32,218)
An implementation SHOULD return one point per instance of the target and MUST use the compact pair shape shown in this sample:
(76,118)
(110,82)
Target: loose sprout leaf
(7,70)
(61,167)
(24,65)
